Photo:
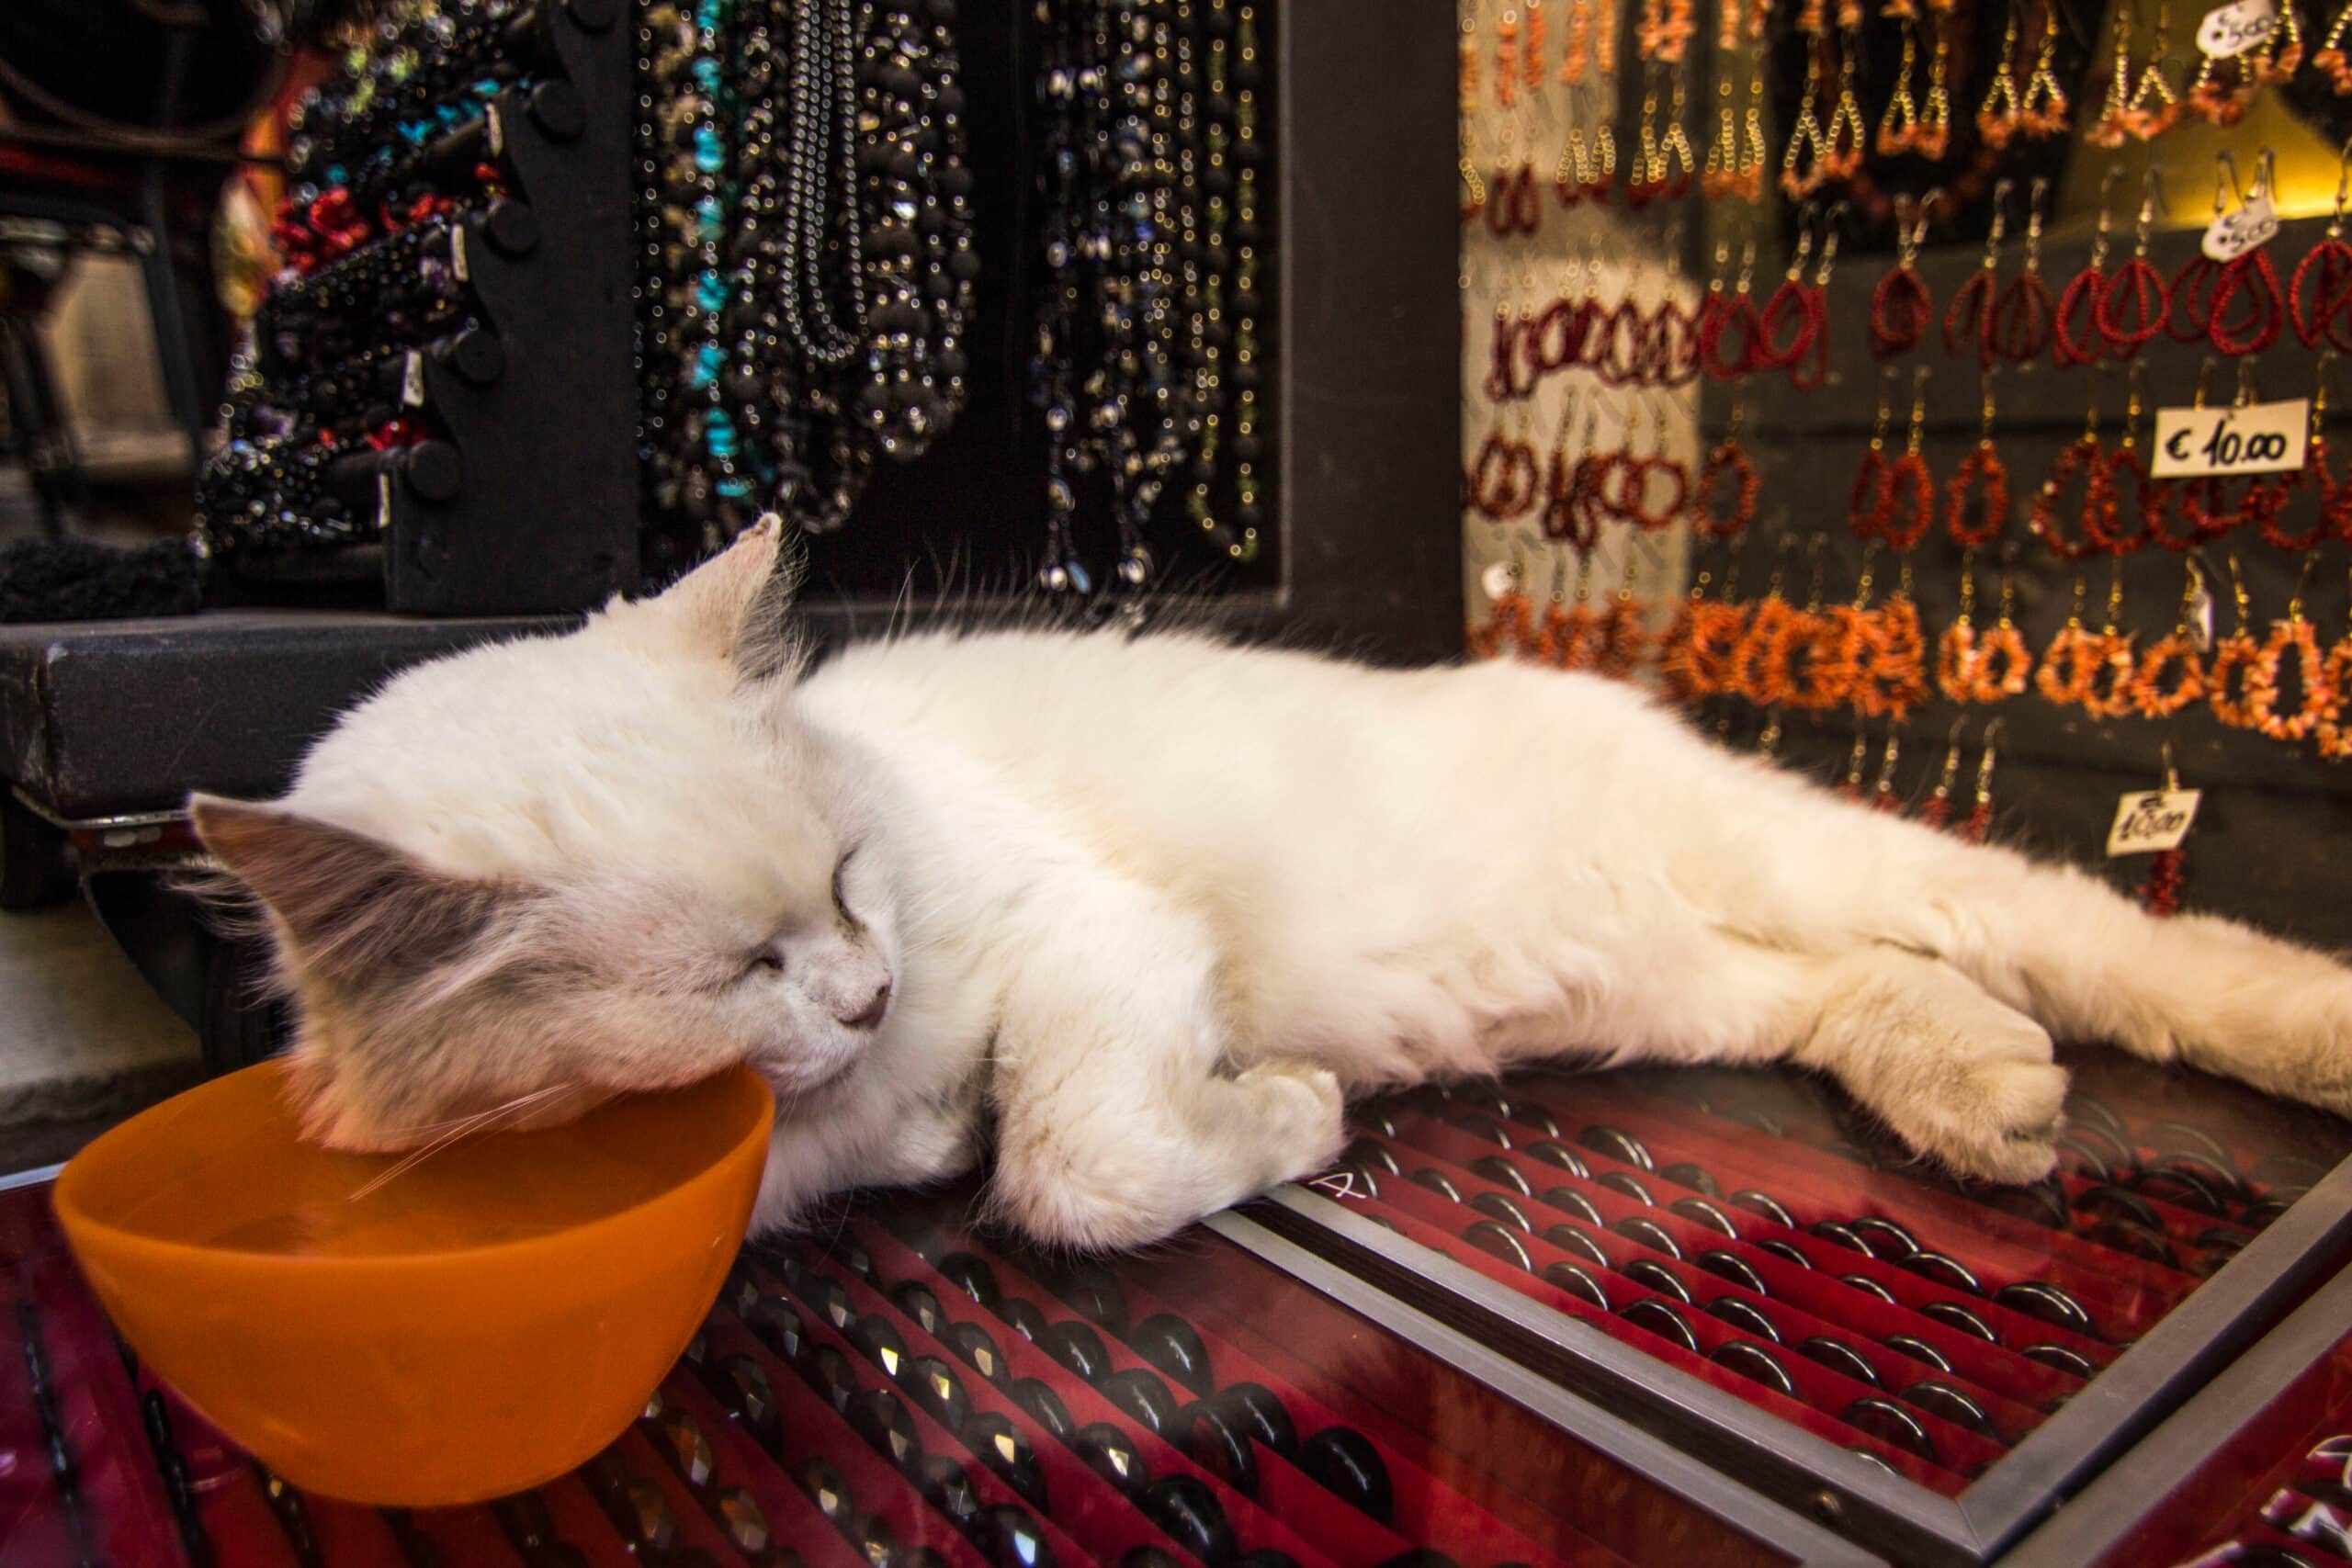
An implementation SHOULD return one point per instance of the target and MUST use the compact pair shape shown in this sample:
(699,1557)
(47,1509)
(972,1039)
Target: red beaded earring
(1791,320)
(2124,473)
(1882,793)
(2075,333)
(1727,466)
(1978,825)
(2161,891)
(1730,327)
(2251,282)
(1981,473)
(2083,457)
(1908,507)
(1968,318)
(2136,303)
(2319,299)
(1901,307)
(1936,811)
(2019,326)
(1865,503)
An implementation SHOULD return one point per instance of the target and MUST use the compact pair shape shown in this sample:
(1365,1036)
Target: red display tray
(905,1393)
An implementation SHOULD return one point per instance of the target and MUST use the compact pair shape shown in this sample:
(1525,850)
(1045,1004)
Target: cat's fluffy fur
(1147,907)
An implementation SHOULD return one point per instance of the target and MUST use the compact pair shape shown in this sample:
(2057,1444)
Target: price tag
(493,130)
(2260,439)
(1500,578)
(413,381)
(383,500)
(2151,820)
(457,249)
(2241,229)
(2230,30)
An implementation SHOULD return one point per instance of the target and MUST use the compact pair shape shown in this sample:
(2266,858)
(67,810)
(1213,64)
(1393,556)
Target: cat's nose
(870,1014)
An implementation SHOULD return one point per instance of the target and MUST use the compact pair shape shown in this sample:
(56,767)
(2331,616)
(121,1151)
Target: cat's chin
(796,1089)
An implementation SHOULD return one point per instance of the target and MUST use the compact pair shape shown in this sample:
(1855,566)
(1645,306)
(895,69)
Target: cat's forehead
(553,756)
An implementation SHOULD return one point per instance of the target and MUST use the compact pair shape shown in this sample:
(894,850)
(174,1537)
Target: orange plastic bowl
(478,1324)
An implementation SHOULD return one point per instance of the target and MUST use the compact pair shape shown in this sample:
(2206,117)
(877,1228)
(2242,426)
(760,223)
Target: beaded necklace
(1150,233)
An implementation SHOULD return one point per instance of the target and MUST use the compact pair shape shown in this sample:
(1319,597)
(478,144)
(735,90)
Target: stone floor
(84,1042)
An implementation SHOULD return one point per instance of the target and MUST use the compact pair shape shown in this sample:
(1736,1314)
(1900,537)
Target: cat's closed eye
(841,868)
(764,962)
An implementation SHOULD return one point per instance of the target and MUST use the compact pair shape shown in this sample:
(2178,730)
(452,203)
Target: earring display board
(1898,303)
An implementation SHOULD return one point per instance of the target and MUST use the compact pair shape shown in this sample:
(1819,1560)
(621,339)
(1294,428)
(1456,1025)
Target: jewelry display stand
(522,498)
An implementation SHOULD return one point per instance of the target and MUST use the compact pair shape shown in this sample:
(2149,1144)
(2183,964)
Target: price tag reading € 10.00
(2260,439)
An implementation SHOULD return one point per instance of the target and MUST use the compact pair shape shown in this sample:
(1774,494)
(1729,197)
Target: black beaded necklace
(783,352)
(1150,236)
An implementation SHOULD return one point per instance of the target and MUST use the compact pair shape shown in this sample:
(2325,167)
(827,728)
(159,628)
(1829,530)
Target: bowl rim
(74,1215)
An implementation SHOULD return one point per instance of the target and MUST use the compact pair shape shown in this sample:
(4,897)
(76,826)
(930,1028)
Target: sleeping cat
(1140,911)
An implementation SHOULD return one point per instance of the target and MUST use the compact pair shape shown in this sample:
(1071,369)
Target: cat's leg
(1118,1118)
(2195,989)
(2052,944)
(1956,1074)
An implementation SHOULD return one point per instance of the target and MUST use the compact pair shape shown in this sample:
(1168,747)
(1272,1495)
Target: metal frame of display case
(1771,1458)
(2139,1484)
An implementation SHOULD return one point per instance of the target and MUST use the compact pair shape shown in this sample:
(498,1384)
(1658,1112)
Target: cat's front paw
(1303,1114)
(1996,1120)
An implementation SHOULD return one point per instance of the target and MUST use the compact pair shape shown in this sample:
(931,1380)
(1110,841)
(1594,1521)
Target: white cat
(1148,907)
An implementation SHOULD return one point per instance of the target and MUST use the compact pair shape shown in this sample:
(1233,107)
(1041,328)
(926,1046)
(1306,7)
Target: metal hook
(2225,163)
(2172,774)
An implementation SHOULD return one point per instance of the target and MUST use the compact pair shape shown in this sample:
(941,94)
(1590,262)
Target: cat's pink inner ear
(352,905)
(733,606)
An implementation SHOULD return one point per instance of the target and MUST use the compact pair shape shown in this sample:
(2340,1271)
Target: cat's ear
(737,604)
(355,910)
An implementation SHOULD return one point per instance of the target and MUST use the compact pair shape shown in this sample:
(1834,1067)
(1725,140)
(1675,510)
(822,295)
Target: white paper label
(2260,439)
(494,131)
(2241,229)
(413,381)
(2230,30)
(2151,820)
(2201,616)
(1500,578)
(457,249)
(383,499)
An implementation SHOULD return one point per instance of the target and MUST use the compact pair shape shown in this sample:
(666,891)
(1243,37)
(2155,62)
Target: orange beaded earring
(2319,703)
(2233,655)
(2334,737)
(2157,690)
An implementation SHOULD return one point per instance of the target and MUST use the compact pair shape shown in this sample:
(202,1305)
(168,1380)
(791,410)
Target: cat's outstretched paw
(1996,1120)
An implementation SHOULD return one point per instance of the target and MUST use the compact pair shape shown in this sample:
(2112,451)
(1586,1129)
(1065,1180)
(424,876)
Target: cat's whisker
(479,1122)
